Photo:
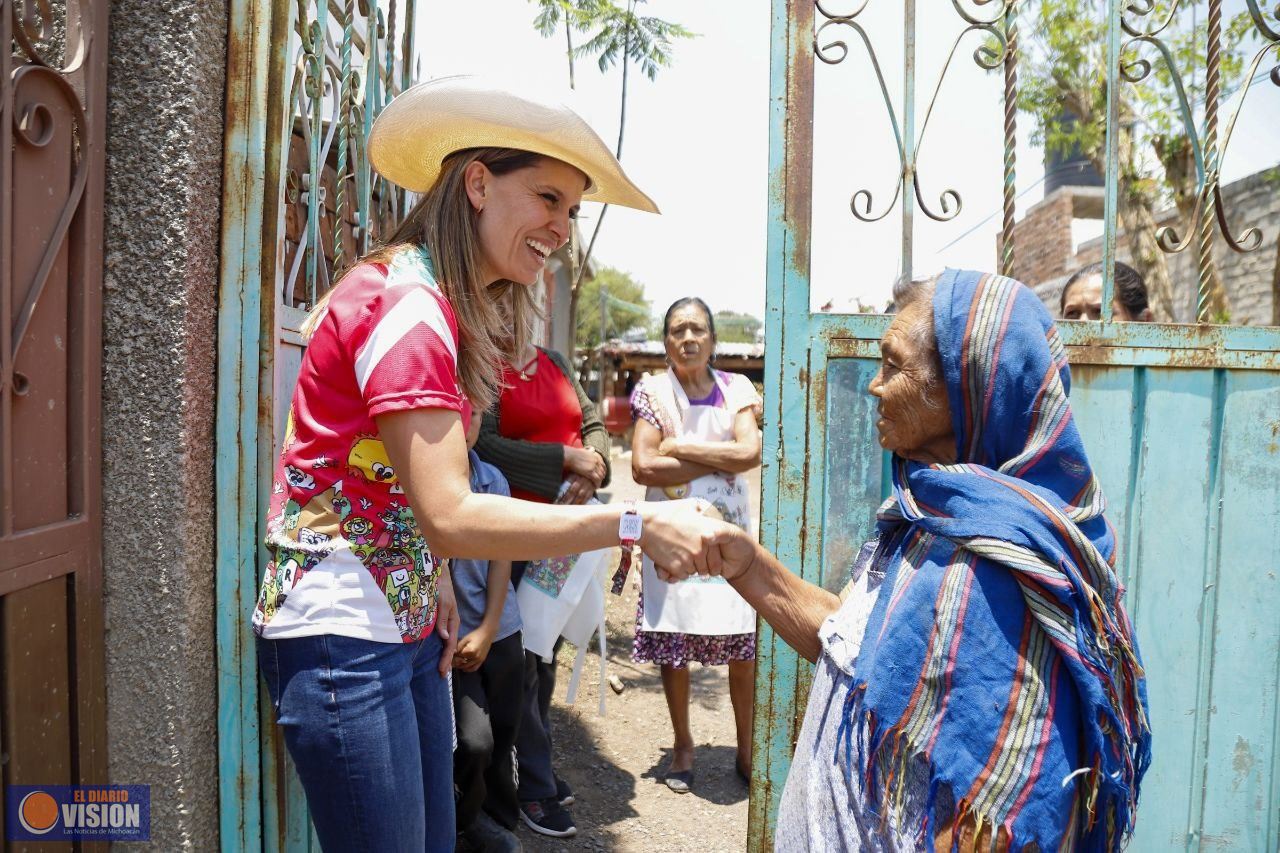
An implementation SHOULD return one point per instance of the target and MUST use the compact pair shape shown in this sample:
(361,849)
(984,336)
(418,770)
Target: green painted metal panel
(1241,780)
(856,475)
(1167,593)
(1103,401)
(783,680)
(239,318)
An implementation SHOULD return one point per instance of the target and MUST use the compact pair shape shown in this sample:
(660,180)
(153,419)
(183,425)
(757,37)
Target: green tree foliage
(1062,73)
(733,327)
(623,292)
(614,35)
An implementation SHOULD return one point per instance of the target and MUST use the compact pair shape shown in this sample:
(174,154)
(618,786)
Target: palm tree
(617,34)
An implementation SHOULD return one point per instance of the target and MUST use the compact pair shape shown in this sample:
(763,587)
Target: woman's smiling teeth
(542,250)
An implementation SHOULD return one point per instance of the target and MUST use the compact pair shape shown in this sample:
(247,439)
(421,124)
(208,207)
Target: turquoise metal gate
(1182,424)
(306,79)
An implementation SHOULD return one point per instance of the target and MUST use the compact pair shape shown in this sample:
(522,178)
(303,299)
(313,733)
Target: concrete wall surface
(166,86)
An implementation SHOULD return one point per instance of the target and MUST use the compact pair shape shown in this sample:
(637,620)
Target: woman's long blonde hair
(444,221)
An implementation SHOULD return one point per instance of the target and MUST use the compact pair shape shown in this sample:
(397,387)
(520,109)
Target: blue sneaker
(548,817)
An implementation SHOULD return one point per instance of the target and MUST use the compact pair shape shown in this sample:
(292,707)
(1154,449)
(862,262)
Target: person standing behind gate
(1081,297)
(488,686)
(356,618)
(695,436)
(544,434)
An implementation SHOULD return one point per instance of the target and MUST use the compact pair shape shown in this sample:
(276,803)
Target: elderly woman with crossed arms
(980,686)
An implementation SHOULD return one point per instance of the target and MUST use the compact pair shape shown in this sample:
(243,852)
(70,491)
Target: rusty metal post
(909,142)
(782,678)
(1010,138)
(1212,95)
(246,271)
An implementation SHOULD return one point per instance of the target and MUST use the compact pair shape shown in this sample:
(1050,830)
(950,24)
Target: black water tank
(1068,168)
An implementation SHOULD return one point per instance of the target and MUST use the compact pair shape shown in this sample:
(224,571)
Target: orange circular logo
(38,812)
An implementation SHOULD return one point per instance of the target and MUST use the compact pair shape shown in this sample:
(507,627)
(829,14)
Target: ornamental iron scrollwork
(42,89)
(1208,144)
(347,64)
(996,22)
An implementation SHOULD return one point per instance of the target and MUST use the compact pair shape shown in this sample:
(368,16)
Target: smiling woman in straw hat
(356,618)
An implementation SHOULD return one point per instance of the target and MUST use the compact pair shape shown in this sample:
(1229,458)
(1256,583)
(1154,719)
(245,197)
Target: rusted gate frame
(801,345)
(68,549)
(248,262)
(278,69)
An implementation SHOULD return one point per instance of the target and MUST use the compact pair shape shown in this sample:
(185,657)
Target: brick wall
(1042,239)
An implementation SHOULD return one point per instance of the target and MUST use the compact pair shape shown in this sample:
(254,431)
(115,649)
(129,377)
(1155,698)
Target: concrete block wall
(1252,202)
(166,85)
(1042,262)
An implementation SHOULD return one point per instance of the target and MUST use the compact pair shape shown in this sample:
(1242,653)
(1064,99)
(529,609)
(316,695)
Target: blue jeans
(370,728)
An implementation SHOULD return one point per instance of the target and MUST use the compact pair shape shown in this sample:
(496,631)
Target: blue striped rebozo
(999,650)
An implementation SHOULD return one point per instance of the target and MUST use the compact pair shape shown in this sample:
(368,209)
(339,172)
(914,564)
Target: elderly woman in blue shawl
(980,686)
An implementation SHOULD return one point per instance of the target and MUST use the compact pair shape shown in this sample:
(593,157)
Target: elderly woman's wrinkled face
(915,415)
(689,340)
(525,215)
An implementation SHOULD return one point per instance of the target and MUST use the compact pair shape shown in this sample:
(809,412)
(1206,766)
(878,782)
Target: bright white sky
(697,142)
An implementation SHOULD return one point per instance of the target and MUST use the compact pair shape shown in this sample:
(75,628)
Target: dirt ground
(615,763)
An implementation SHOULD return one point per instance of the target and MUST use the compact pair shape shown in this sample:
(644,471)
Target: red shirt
(544,408)
(348,556)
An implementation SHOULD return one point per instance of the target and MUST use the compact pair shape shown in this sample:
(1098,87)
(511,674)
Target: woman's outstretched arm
(428,452)
(792,606)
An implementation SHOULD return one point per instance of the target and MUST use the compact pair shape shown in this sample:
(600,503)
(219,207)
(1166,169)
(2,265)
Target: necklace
(524,371)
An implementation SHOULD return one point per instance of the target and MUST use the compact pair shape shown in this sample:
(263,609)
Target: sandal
(679,780)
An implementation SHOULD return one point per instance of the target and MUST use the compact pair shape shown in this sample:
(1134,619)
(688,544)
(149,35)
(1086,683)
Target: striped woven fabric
(1002,654)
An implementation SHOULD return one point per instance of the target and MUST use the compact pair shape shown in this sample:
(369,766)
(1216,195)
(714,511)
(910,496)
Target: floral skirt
(678,650)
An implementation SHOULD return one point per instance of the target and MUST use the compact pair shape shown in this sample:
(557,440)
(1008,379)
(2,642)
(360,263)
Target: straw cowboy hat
(426,123)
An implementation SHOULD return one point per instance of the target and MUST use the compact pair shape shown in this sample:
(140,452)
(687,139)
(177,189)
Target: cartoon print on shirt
(289,518)
(318,518)
(409,587)
(368,459)
(735,516)
(307,536)
(400,529)
(283,574)
(358,531)
(314,513)
(299,479)
(288,434)
(340,504)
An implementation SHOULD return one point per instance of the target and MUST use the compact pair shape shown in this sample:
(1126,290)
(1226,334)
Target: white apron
(564,597)
(700,605)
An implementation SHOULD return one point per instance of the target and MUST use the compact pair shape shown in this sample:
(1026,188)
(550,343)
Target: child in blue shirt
(488,685)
